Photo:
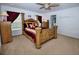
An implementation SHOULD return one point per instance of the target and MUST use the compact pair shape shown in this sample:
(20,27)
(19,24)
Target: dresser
(45,24)
(6,33)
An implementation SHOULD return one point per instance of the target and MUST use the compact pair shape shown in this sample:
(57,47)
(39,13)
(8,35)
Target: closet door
(6,35)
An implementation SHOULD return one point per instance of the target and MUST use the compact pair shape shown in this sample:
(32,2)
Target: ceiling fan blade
(53,5)
(40,3)
(48,8)
(41,7)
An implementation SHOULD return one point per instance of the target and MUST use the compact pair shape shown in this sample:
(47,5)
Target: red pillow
(32,26)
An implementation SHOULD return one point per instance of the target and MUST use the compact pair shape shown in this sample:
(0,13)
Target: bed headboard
(31,21)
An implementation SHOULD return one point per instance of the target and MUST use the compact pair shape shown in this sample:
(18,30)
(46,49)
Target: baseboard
(67,36)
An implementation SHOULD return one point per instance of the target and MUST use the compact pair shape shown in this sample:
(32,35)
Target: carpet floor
(23,46)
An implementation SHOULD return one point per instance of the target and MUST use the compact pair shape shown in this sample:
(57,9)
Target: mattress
(30,30)
(31,33)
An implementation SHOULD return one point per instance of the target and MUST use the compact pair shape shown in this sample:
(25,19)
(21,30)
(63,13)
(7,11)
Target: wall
(26,12)
(0,12)
(0,7)
(0,35)
(67,21)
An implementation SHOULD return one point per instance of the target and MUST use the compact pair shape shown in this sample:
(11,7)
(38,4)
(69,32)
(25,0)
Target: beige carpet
(21,45)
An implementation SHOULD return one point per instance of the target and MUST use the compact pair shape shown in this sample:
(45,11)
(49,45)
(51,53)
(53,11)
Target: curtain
(12,16)
(39,18)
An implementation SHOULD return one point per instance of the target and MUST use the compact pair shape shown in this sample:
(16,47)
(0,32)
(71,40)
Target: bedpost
(55,32)
(38,38)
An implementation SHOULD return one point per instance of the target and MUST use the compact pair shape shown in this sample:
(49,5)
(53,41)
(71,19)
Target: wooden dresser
(45,24)
(6,33)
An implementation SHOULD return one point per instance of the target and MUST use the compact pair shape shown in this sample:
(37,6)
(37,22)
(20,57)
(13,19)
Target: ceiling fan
(47,6)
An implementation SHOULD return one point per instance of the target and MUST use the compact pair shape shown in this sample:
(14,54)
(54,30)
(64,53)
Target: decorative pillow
(31,25)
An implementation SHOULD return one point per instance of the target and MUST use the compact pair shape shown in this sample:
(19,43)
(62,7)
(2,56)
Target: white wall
(0,12)
(9,8)
(68,21)
(27,12)
(0,8)
(0,35)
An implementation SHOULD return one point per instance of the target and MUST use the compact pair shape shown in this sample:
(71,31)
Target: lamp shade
(3,14)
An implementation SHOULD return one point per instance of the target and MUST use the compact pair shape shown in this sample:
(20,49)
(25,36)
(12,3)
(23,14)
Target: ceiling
(36,8)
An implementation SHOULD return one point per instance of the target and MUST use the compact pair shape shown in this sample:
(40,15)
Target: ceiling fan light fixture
(46,5)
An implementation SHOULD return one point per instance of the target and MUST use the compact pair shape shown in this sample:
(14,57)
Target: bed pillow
(31,25)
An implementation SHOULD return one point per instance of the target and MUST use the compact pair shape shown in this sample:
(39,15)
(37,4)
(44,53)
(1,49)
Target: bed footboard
(43,35)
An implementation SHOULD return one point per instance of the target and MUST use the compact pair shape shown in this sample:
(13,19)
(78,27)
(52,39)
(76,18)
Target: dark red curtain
(39,18)
(12,16)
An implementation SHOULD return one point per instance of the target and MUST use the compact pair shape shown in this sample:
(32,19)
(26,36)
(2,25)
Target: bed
(36,34)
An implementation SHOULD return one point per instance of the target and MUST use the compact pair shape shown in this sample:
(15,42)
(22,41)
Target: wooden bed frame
(42,35)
